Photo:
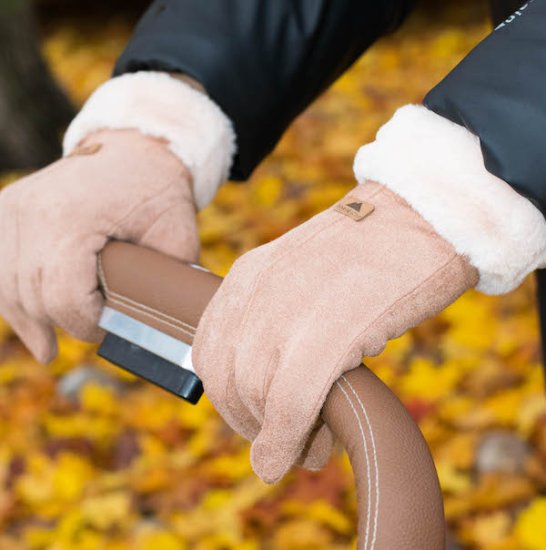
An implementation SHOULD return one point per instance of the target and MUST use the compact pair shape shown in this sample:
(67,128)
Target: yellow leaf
(429,381)
(488,530)
(107,511)
(531,525)
(321,512)
(160,540)
(302,534)
(57,481)
(98,398)
(267,190)
(451,479)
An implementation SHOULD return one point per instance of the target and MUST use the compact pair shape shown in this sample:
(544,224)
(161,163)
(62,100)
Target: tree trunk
(33,109)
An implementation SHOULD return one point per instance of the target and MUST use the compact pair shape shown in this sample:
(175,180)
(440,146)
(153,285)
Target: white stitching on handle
(155,314)
(374,451)
(365,445)
(136,310)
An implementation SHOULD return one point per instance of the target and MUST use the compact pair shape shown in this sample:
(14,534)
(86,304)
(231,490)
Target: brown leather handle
(399,499)
(400,503)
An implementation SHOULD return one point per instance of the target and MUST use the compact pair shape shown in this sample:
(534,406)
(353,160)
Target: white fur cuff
(437,167)
(197,131)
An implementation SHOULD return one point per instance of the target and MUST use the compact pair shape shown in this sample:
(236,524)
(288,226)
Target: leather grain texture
(155,289)
(399,499)
(400,503)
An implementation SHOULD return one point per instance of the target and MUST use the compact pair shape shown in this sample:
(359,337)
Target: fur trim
(437,167)
(198,132)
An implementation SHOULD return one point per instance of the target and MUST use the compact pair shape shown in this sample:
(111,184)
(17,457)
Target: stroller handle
(399,498)
(400,503)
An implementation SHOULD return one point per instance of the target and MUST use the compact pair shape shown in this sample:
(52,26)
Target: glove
(119,184)
(426,223)
(145,151)
(296,313)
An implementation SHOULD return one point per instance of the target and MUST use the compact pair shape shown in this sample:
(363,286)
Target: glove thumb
(174,233)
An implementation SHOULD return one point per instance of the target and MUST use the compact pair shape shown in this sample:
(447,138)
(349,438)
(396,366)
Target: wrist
(193,127)
(437,167)
(155,150)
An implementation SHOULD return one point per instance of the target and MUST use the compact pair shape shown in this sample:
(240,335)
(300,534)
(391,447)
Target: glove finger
(293,403)
(231,407)
(71,292)
(215,346)
(253,383)
(174,233)
(38,337)
(318,448)
(213,356)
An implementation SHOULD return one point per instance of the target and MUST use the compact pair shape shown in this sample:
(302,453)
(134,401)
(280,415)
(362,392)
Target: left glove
(294,314)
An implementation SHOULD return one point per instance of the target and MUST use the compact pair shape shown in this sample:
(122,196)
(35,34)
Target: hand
(294,314)
(119,184)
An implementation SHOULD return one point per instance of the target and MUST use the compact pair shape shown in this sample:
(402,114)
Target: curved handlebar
(400,503)
(399,499)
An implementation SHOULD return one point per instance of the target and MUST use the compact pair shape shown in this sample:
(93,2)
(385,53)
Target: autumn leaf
(121,465)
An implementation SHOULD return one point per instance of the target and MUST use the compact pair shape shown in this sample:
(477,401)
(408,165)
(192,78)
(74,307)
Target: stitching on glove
(163,191)
(249,427)
(268,377)
(319,230)
(407,296)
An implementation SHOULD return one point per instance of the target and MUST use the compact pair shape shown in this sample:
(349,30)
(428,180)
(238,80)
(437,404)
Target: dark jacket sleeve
(498,92)
(262,61)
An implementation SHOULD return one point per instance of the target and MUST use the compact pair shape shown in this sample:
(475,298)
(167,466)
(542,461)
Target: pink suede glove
(294,314)
(119,184)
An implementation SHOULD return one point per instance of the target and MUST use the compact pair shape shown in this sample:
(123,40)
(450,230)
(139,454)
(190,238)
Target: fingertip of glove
(46,358)
(318,449)
(270,462)
(44,351)
(39,339)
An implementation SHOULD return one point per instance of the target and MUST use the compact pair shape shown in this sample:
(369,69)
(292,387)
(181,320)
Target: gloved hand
(294,314)
(145,152)
(118,184)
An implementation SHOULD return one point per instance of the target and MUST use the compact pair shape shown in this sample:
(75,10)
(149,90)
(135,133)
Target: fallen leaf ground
(91,458)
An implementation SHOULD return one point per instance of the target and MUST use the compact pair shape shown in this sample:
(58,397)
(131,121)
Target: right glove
(118,184)
(146,151)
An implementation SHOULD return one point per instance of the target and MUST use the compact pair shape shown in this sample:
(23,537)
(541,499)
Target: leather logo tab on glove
(86,149)
(355,208)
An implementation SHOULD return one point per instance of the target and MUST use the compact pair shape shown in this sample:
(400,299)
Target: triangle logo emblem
(355,206)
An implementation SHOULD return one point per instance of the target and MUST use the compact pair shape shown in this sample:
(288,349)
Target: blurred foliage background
(91,458)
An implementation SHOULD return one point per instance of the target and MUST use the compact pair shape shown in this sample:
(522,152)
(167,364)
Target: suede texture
(193,126)
(117,185)
(440,171)
(294,314)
